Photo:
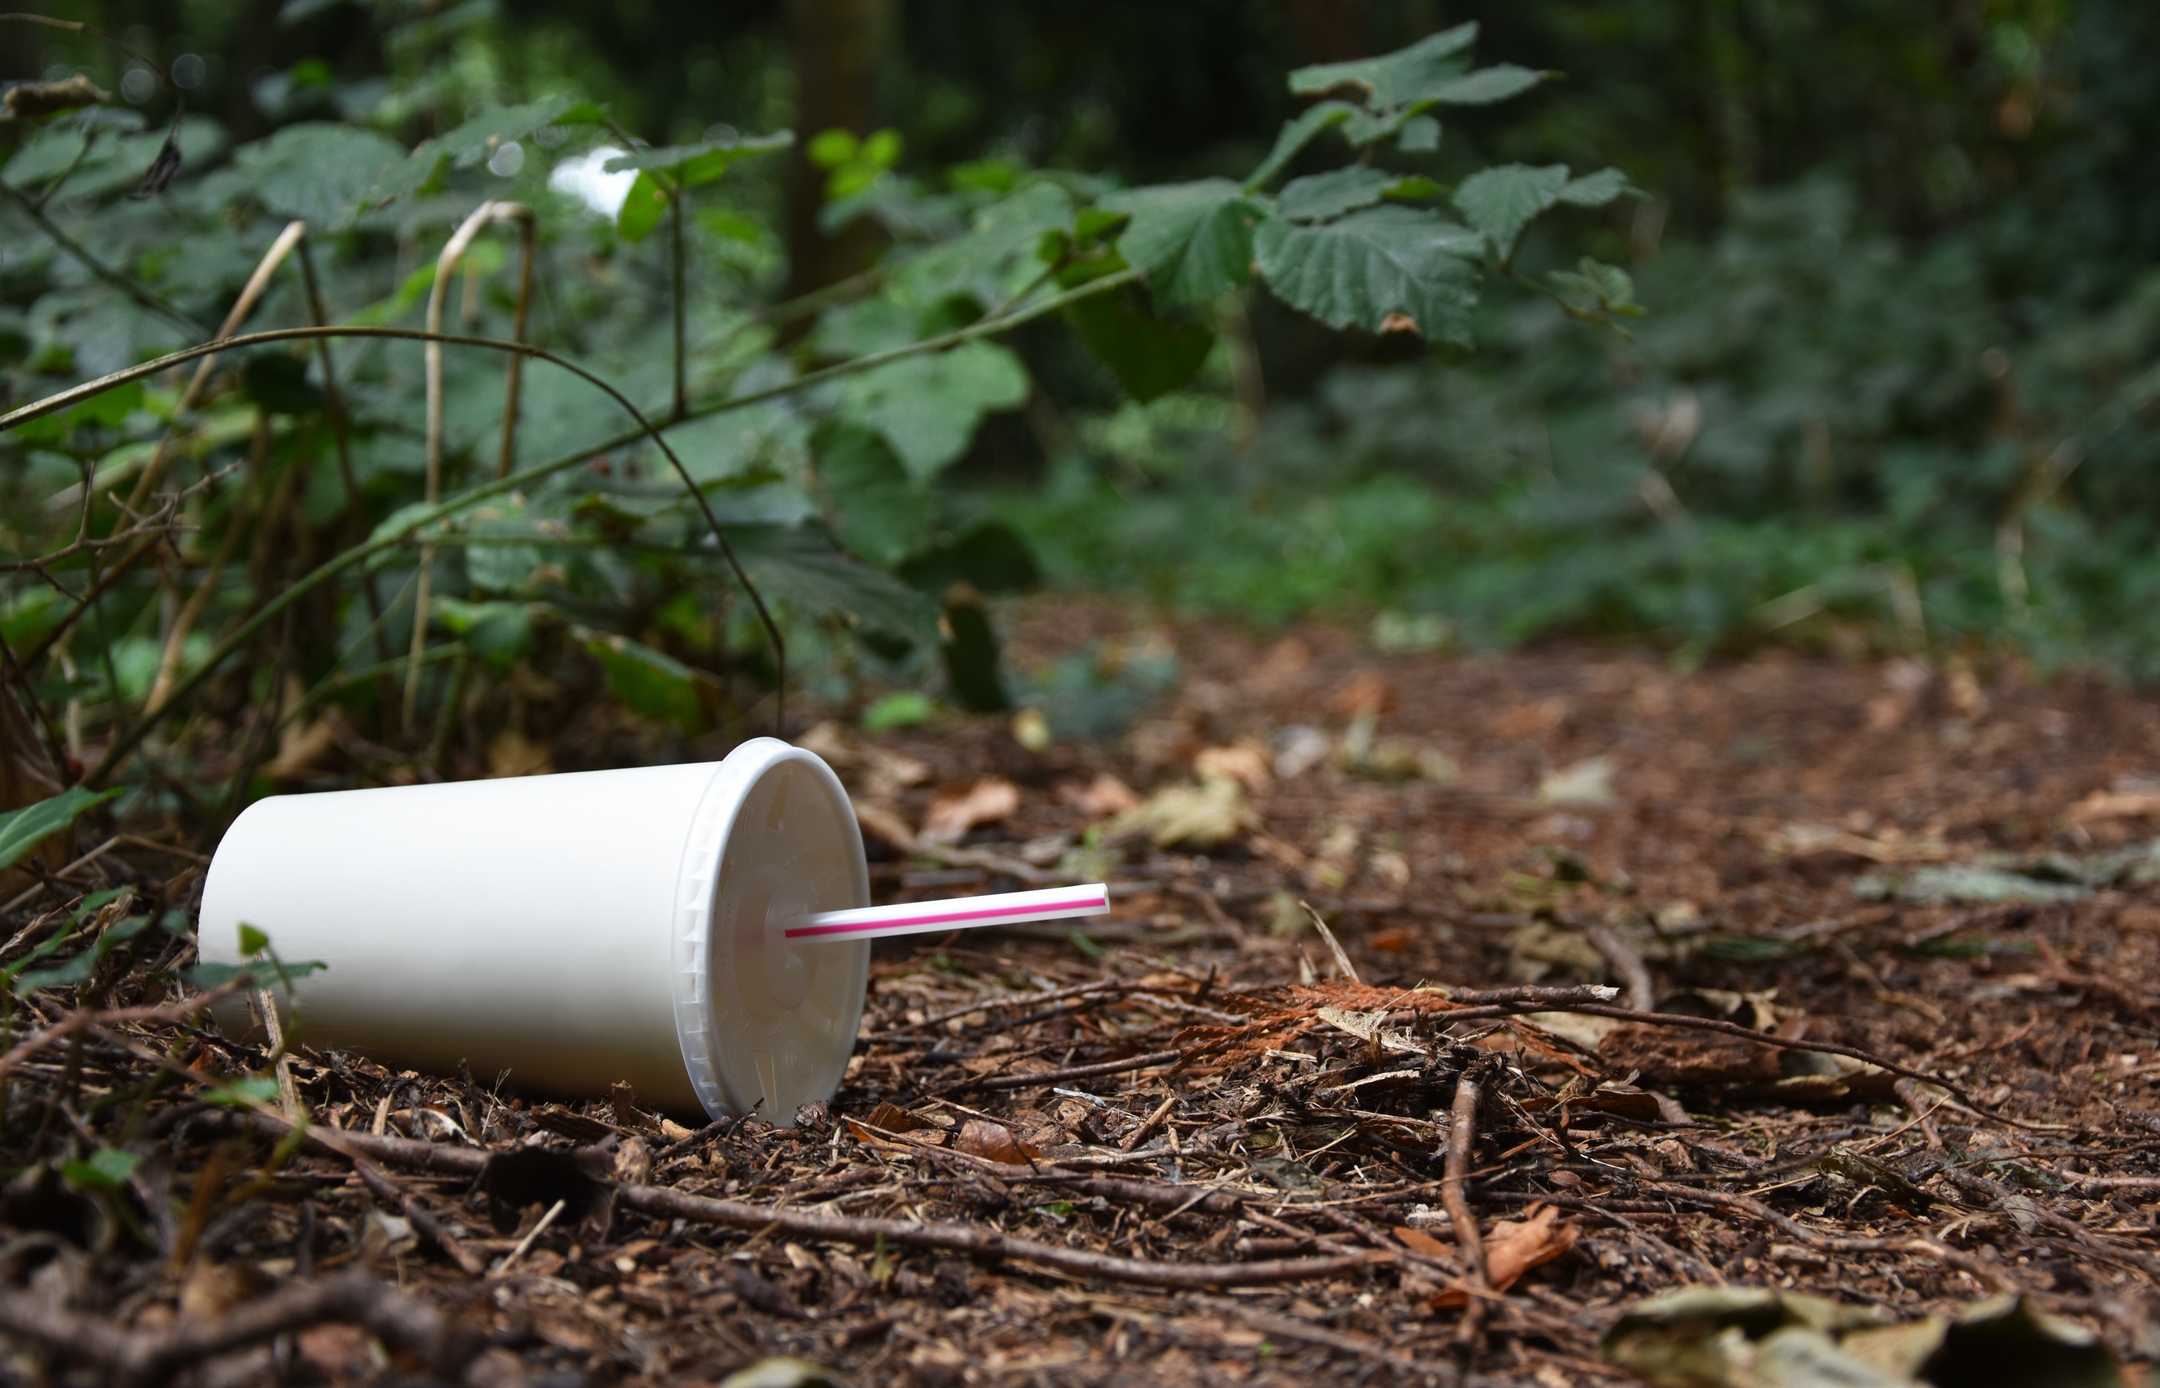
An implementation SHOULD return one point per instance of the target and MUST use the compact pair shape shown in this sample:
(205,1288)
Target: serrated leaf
(1499,202)
(1374,269)
(1192,240)
(880,512)
(927,407)
(478,138)
(417,174)
(1419,135)
(1298,132)
(1321,196)
(1397,78)
(318,171)
(651,683)
(691,165)
(1607,286)
(1486,86)
(21,830)
(1596,189)
(799,566)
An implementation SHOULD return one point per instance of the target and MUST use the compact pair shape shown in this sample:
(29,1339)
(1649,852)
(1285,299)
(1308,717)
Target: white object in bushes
(700,931)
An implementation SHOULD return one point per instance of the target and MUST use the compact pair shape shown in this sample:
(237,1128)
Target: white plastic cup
(574,930)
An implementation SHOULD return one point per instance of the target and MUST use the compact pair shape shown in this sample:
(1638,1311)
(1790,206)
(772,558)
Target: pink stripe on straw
(947,917)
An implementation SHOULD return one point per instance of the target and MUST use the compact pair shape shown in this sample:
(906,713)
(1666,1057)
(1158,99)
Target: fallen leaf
(1283,662)
(993,1142)
(1366,692)
(1668,1055)
(1734,1337)
(892,1118)
(511,753)
(1583,784)
(884,826)
(339,1353)
(784,1373)
(1516,1246)
(212,1289)
(1246,763)
(300,747)
(1204,816)
(2116,804)
(1529,720)
(961,806)
(1100,798)
(1806,840)
(878,772)
(1418,1241)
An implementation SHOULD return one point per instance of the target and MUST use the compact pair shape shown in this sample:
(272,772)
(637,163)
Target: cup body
(574,931)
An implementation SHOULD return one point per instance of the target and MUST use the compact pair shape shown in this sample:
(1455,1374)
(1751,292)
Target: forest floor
(1197,1142)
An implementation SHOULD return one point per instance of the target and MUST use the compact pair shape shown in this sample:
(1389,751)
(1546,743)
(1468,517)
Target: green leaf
(1192,240)
(108,1168)
(692,165)
(903,708)
(1605,286)
(1487,85)
(1322,196)
(880,512)
(1597,189)
(1373,270)
(799,566)
(1499,202)
(1418,135)
(497,632)
(318,171)
(243,1093)
(1397,78)
(927,407)
(417,174)
(642,207)
(252,941)
(1149,355)
(651,683)
(79,969)
(479,137)
(971,660)
(990,556)
(1297,133)
(21,830)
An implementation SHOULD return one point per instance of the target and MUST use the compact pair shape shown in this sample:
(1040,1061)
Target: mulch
(1197,1142)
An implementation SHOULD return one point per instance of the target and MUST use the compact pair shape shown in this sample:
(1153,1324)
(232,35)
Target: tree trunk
(837,45)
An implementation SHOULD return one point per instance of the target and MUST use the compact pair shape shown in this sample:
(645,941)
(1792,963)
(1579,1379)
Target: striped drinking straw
(962,913)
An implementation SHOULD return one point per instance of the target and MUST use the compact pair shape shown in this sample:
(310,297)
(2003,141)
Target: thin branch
(129,1358)
(1462,1138)
(74,1022)
(126,744)
(134,289)
(257,282)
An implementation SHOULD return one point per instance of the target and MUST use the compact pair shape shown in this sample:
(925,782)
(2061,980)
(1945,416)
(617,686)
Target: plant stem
(682,388)
(134,289)
(126,743)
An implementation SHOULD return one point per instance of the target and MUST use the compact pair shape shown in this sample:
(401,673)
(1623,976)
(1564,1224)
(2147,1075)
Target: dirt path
(1188,1148)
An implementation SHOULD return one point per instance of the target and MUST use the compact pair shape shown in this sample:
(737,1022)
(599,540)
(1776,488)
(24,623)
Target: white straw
(960,913)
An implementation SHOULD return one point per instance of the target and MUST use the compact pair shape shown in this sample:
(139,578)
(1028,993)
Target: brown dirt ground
(1746,800)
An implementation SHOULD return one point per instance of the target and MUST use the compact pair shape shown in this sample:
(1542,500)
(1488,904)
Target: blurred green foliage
(1884,374)
(301,558)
